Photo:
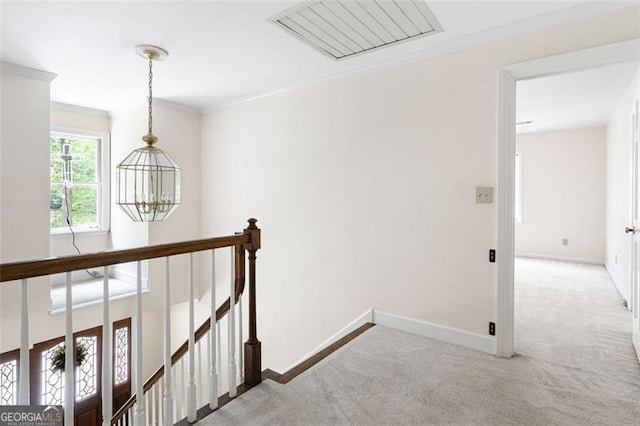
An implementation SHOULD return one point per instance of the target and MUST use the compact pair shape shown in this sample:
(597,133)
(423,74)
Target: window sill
(89,293)
(66,233)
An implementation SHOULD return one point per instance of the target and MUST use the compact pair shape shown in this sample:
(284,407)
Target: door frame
(507,77)
(118,393)
(634,270)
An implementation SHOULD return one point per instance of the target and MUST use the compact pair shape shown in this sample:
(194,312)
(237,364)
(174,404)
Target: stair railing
(161,401)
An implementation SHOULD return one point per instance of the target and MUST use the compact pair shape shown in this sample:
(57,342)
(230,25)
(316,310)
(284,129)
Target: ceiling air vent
(343,28)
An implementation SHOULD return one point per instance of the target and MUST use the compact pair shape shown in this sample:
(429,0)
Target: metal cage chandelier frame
(148,181)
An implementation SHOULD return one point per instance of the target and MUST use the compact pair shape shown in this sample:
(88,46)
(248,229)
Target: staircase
(206,415)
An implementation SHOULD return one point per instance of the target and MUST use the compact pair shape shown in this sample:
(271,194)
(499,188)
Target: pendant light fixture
(148,181)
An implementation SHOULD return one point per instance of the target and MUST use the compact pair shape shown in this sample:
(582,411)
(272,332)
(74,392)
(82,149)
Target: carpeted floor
(575,365)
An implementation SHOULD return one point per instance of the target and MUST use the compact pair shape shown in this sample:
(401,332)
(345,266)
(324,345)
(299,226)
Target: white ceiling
(580,99)
(224,51)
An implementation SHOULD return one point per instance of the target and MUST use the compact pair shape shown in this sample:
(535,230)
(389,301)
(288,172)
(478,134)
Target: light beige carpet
(575,365)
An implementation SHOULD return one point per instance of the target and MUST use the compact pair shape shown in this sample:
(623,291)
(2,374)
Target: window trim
(104,183)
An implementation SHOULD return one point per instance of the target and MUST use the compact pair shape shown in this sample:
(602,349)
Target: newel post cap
(254,231)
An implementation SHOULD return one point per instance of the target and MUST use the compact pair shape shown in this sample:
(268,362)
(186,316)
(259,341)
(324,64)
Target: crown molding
(27,72)
(157,102)
(576,13)
(175,105)
(79,109)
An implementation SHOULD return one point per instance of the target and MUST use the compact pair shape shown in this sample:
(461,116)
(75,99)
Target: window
(518,195)
(121,357)
(79,182)
(9,377)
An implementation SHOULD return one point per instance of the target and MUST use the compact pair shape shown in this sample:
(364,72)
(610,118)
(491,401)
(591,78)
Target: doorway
(48,381)
(580,60)
(567,177)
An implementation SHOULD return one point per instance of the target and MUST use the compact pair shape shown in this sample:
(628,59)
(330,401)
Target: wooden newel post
(252,347)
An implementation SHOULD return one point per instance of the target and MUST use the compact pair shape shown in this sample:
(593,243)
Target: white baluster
(151,405)
(68,362)
(213,339)
(149,408)
(160,403)
(219,355)
(140,415)
(232,330)
(183,389)
(191,383)
(207,353)
(168,391)
(176,391)
(240,345)
(206,370)
(200,398)
(154,401)
(107,361)
(23,382)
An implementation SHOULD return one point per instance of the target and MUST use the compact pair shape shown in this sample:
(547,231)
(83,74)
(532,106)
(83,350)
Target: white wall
(364,188)
(563,194)
(24,189)
(25,153)
(618,211)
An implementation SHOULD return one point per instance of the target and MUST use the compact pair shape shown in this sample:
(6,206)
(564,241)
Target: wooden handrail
(55,265)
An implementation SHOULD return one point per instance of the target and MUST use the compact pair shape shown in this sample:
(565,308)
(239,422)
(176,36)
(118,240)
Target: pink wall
(563,194)
(364,187)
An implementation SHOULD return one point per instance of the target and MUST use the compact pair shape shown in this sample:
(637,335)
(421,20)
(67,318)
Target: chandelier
(148,181)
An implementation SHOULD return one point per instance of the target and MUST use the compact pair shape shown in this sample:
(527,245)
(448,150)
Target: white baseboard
(451,335)
(617,287)
(455,336)
(364,318)
(561,258)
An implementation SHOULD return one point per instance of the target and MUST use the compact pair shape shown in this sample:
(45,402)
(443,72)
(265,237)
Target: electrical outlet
(565,241)
(484,194)
(492,256)
(492,328)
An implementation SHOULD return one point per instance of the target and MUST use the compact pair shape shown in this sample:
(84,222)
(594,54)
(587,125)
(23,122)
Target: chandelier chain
(150,96)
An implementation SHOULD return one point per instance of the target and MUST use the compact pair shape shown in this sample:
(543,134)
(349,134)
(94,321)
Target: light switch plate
(484,194)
